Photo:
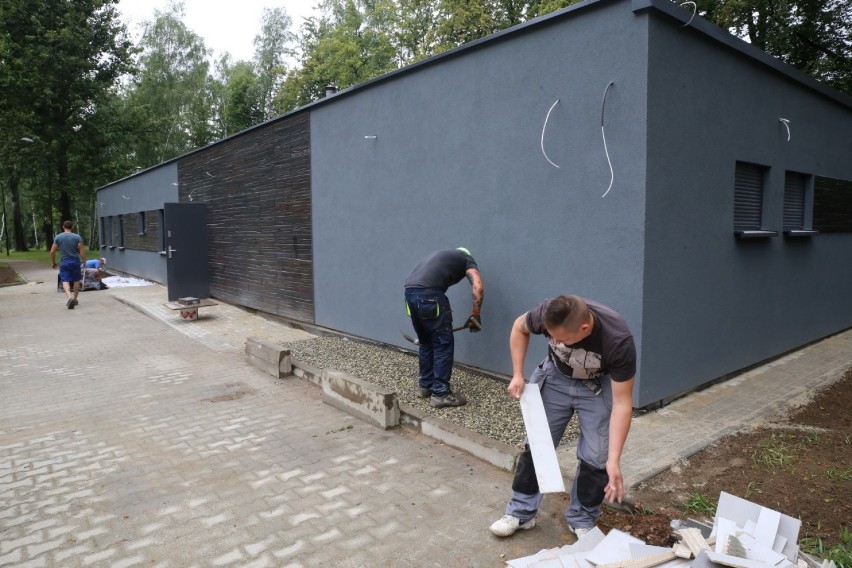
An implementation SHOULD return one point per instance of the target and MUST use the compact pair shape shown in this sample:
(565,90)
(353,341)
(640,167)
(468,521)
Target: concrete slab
(369,402)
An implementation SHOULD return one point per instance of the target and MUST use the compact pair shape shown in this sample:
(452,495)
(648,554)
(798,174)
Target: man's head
(568,319)
(67,225)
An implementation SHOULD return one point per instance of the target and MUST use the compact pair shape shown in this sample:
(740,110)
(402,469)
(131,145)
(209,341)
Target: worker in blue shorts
(72,254)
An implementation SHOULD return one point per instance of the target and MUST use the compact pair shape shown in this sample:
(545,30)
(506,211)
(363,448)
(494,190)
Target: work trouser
(562,397)
(432,319)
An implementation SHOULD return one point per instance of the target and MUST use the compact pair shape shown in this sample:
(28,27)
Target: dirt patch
(8,275)
(800,465)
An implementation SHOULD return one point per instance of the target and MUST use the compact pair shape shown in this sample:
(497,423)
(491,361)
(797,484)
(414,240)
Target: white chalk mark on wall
(543,128)
(603,135)
(786,124)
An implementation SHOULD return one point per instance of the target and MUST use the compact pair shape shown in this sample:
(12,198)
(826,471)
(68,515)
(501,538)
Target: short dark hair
(68,225)
(566,311)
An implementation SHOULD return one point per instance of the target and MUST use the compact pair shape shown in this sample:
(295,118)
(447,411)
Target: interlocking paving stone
(130,440)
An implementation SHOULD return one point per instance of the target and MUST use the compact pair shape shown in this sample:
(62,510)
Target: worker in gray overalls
(589,369)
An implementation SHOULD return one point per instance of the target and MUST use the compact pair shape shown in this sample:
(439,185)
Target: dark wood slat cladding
(137,239)
(258,189)
(832,205)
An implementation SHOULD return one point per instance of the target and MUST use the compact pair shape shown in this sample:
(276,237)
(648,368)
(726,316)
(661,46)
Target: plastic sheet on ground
(124,281)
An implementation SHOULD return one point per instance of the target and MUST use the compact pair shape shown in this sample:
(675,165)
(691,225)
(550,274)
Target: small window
(108,233)
(794,201)
(121,231)
(162,229)
(832,205)
(142,227)
(102,235)
(749,181)
(798,195)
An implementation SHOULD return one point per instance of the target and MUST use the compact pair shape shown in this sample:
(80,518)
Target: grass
(777,452)
(844,474)
(840,553)
(699,503)
(40,255)
(751,488)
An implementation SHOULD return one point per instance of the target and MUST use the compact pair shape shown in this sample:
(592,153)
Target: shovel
(416,341)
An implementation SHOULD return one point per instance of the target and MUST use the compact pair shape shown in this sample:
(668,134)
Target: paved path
(128,440)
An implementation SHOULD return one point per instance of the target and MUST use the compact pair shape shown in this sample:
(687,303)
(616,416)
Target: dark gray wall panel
(257,186)
(449,155)
(714,304)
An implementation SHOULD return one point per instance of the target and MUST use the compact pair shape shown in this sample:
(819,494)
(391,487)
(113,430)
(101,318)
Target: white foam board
(547,470)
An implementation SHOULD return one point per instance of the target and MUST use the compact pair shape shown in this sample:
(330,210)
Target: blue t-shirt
(68,243)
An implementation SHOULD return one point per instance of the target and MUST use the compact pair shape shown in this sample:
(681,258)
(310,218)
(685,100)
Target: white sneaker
(509,524)
(580,532)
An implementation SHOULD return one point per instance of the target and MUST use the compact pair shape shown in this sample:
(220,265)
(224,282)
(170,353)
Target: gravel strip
(489,411)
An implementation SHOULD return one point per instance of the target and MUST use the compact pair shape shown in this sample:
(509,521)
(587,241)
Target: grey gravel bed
(489,411)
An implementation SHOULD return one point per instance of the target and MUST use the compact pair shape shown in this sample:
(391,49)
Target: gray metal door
(186,250)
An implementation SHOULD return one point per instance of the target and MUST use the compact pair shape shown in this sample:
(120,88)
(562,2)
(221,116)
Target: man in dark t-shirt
(427,304)
(589,369)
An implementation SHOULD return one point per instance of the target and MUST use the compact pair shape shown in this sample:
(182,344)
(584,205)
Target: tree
(272,46)
(60,59)
(811,35)
(238,95)
(173,93)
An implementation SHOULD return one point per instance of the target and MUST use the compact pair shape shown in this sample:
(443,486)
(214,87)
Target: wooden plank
(693,539)
(644,562)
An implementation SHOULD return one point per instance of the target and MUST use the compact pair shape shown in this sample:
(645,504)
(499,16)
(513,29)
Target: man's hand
(614,490)
(474,322)
(516,386)
(53,264)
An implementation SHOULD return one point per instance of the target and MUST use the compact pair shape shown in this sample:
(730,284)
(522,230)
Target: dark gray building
(621,150)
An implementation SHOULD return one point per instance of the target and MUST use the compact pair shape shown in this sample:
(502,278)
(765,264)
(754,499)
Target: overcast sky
(225,25)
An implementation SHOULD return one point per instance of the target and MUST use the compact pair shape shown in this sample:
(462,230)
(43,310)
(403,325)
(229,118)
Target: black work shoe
(70,303)
(76,303)
(423,393)
(448,399)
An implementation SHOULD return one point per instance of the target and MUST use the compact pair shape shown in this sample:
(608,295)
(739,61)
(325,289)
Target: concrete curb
(496,453)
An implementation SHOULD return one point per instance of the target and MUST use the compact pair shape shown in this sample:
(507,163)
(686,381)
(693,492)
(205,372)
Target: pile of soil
(799,465)
(8,275)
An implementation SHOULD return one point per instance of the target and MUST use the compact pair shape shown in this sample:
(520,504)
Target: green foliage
(841,553)
(61,61)
(349,44)
(272,45)
(781,450)
(699,503)
(37,255)
(811,35)
(843,474)
(173,93)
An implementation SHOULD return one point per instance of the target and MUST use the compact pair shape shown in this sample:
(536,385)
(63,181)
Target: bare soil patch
(8,275)
(799,465)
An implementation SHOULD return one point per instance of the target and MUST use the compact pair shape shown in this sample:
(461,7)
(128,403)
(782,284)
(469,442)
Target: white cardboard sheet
(547,470)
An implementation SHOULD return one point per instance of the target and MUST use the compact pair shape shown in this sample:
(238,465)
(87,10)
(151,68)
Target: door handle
(171,250)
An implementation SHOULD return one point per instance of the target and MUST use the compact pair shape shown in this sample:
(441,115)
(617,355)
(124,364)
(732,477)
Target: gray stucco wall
(146,191)
(714,304)
(456,161)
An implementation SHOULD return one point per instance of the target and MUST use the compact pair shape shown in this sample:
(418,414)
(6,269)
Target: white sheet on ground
(124,281)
